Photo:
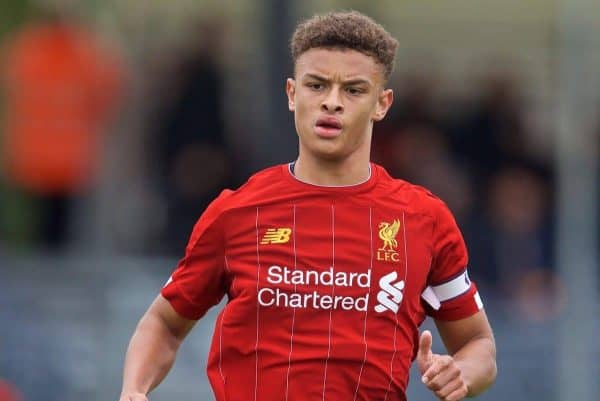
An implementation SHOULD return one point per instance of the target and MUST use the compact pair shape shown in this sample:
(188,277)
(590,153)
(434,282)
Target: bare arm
(470,367)
(471,343)
(152,349)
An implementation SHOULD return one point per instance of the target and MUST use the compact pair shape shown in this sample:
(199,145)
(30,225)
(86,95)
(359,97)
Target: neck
(317,171)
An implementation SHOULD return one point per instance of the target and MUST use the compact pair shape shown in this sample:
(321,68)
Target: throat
(331,174)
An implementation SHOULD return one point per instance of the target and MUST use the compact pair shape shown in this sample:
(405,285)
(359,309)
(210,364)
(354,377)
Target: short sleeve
(198,282)
(449,279)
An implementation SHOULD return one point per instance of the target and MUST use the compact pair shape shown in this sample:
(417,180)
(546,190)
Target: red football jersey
(326,285)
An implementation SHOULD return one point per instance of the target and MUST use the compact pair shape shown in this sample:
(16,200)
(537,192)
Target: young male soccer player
(329,264)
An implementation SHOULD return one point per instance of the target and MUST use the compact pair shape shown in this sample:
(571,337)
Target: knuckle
(442,394)
(433,386)
(458,395)
(454,391)
(444,362)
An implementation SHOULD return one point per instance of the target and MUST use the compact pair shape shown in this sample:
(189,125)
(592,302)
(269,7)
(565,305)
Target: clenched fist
(440,373)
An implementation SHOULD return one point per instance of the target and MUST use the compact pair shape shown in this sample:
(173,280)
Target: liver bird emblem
(387,233)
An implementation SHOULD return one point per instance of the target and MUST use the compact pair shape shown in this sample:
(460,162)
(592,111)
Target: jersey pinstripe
(323,284)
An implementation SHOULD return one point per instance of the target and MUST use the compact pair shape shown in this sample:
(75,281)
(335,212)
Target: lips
(329,122)
(328,127)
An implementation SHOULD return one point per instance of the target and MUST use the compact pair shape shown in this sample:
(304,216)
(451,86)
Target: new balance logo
(390,296)
(276,236)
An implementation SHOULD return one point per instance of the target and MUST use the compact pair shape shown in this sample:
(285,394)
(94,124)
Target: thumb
(424,355)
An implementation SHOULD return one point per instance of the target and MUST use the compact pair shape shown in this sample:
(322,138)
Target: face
(336,96)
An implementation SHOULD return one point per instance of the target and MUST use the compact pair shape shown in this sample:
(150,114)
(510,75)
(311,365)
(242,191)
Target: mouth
(328,127)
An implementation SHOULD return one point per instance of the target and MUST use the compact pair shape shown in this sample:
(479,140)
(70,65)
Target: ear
(290,89)
(384,102)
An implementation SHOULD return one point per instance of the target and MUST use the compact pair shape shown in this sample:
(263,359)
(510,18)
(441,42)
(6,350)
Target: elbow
(493,364)
(488,372)
(488,379)
(492,367)
(493,373)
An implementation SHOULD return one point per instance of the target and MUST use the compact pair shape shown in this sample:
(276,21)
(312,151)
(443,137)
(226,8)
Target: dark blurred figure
(476,159)
(514,242)
(413,144)
(412,111)
(61,88)
(492,132)
(192,148)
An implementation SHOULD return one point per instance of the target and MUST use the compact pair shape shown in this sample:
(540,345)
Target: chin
(328,153)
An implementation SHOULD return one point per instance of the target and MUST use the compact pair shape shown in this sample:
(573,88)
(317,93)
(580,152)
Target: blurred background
(120,120)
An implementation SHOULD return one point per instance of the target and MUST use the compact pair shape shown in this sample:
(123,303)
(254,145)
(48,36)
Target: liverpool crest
(387,234)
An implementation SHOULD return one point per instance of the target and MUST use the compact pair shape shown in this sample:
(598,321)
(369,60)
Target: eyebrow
(357,81)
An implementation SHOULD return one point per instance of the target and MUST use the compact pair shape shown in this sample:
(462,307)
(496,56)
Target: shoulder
(262,176)
(258,187)
(414,197)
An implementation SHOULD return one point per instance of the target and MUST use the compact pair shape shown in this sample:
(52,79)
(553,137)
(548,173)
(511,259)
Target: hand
(133,397)
(440,373)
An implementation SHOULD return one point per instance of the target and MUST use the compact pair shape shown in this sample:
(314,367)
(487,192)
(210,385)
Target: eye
(315,86)
(354,90)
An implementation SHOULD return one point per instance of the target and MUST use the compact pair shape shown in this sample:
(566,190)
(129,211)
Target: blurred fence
(65,324)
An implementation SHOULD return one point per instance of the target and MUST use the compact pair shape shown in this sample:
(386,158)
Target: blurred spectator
(194,159)
(413,145)
(412,110)
(421,155)
(61,88)
(479,165)
(513,243)
(492,132)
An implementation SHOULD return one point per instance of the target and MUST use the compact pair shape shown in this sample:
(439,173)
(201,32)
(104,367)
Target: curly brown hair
(346,30)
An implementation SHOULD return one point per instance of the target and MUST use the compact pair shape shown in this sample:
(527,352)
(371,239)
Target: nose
(332,102)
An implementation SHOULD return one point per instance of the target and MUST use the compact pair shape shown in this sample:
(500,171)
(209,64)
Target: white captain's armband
(437,294)
(429,296)
(168,281)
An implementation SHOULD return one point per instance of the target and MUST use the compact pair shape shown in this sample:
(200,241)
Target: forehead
(336,63)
